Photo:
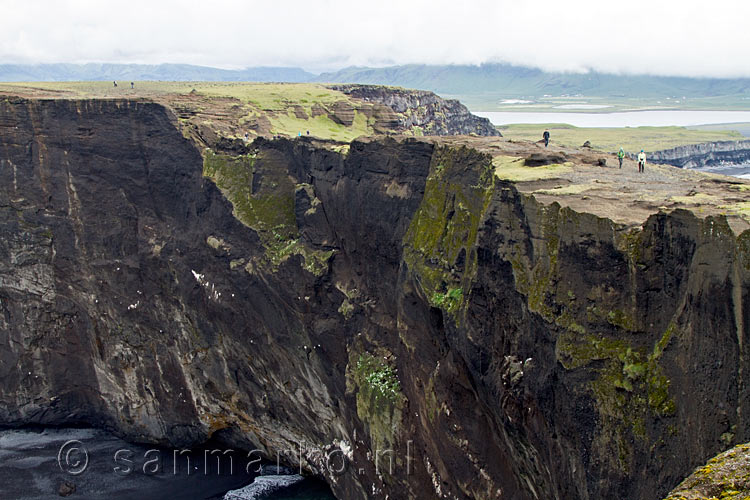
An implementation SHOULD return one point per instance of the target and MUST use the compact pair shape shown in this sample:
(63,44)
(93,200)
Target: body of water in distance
(619,119)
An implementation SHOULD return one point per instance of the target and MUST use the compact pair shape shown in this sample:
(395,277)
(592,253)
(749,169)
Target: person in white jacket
(641,161)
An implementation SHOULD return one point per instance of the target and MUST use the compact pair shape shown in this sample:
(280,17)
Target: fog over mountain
(455,80)
(669,37)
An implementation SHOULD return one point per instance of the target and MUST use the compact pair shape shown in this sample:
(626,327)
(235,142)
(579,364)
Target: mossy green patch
(566,190)
(440,243)
(269,210)
(621,319)
(377,377)
(630,386)
(740,208)
(271,213)
(743,247)
(514,169)
(380,401)
(320,126)
(631,244)
(346,309)
(448,301)
(536,279)
(725,476)
(574,351)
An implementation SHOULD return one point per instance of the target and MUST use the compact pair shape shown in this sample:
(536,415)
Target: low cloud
(685,37)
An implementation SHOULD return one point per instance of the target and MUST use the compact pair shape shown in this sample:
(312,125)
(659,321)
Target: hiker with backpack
(621,156)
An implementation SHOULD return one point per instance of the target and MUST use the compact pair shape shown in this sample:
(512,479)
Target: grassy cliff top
(632,139)
(231,109)
(573,177)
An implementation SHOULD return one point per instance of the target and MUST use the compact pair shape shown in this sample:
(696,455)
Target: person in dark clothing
(132,85)
(546,138)
(114,83)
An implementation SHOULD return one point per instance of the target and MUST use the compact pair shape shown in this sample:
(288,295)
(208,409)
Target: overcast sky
(680,37)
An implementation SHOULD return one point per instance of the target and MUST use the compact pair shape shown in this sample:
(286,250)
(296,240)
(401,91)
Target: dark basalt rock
(419,108)
(66,489)
(541,159)
(709,154)
(493,346)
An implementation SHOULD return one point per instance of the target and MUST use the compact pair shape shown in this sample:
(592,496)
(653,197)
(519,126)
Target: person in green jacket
(621,156)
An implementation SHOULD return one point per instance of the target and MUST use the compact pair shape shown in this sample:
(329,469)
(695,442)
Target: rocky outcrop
(725,476)
(395,319)
(708,154)
(422,109)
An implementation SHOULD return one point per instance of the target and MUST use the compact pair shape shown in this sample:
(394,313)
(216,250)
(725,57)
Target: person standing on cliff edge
(621,156)
(641,161)
(545,135)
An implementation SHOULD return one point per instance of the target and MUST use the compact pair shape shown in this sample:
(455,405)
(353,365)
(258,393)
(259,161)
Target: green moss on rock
(346,309)
(725,476)
(378,378)
(439,245)
(629,387)
(380,401)
(622,320)
(630,243)
(269,210)
(743,244)
(449,301)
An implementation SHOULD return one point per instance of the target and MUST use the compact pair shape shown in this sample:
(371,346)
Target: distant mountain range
(471,82)
(136,72)
(518,81)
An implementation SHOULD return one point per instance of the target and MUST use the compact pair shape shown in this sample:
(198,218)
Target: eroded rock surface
(423,109)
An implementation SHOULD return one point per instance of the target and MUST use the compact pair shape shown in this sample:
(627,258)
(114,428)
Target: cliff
(425,110)
(209,111)
(442,303)
(705,155)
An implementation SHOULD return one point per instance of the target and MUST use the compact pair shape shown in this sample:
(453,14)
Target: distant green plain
(632,139)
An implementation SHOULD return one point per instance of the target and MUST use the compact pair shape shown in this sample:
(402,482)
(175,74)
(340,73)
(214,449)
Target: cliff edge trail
(416,316)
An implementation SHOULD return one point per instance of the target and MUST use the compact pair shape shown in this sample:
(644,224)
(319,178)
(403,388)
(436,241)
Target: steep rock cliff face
(397,302)
(422,109)
(704,155)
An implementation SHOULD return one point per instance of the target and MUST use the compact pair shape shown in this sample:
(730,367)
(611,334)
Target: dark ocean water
(35,462)
(742,171)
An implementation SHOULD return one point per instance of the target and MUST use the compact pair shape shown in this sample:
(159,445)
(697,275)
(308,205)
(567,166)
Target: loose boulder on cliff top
(541,159)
